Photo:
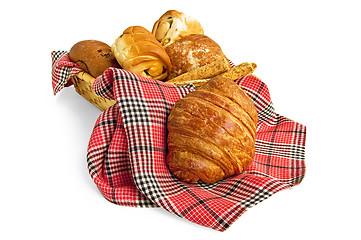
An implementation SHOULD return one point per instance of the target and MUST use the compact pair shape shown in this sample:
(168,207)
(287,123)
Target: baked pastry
(211,132)
(93,56)
(191,52)
(173,25)
(137,51)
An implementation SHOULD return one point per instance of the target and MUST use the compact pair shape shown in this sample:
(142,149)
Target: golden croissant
(211,132)
(138,51)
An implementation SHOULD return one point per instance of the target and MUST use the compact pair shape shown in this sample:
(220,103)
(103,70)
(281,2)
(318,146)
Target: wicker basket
(83,83)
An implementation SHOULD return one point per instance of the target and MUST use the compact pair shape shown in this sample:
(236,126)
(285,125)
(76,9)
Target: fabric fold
(127,151)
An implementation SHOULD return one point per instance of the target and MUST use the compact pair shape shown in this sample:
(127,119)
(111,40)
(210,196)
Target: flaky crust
(192,52)
(137,51)
(212,133)
(173,25)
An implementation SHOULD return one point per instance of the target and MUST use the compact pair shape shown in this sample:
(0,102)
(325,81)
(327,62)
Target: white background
(307,52)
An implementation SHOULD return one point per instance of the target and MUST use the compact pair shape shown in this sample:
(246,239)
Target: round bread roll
(93,56)
(137,51)
(173,25)
(192,52)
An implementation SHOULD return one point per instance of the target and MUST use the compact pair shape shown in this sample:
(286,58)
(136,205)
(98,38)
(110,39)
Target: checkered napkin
(62,70)
(127,151)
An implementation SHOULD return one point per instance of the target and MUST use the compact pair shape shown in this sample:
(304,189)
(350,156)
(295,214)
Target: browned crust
(93,56)
(207,71)
(211,132)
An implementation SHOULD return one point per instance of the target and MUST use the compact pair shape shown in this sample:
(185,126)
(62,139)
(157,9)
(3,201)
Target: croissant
(211,132)
(137,51)
(173,25)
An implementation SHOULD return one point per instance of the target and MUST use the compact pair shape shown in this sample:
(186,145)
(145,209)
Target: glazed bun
(173,25)
(137,51)
(192,52)
(93,56)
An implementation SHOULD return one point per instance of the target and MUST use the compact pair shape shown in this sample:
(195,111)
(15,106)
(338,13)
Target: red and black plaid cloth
(127,150)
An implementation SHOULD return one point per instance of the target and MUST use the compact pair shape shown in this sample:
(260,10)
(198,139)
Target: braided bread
(137,51)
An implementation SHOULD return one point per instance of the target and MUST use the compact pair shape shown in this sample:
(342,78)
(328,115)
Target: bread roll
(211,132)
(93,56)
(173,25)
(191,52)
(137,51)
